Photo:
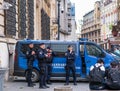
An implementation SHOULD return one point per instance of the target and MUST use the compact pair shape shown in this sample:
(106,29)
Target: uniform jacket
(70,57)
(41,56)
(29,55)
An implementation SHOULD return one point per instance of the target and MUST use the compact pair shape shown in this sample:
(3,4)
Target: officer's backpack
(114,78)
(96,75)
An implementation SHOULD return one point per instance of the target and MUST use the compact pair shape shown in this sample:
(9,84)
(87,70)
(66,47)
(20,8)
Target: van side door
(92,54)
(59,60)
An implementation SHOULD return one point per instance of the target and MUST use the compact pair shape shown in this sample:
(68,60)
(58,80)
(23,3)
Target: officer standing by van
(50,54)
(30,55)
(70,65)
(42,55)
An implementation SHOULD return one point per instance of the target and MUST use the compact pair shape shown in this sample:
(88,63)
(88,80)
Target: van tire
(35,75)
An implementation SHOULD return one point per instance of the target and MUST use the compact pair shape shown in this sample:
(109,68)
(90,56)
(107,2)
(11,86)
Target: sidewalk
(22,86)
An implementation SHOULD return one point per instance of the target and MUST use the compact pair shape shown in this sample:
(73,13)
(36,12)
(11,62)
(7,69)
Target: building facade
(109,17)
(26,19)
(91,24)
(72,27)
(110,23)
(53,21)
(67,20)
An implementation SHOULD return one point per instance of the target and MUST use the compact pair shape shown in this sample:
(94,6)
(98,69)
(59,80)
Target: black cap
(100,61)
(42,44)
(69,46)
(48,47)
(114,63)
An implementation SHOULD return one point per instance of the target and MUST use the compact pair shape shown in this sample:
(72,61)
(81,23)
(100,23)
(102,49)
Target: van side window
(60,49)
(24,48)
(93,50)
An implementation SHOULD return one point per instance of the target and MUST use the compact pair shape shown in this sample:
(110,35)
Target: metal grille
(31,19)
(22,18)
(10,19)
(45,25)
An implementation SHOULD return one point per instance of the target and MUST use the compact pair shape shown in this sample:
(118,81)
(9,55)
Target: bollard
(2,73)
(63,89)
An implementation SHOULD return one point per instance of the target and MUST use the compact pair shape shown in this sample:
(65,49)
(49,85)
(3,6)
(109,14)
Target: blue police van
(87,53)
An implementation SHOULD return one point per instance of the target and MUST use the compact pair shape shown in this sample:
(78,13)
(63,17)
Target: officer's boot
(30,83)
(48,82)
(46,86)
(67,81)
(41,86)
(75,83)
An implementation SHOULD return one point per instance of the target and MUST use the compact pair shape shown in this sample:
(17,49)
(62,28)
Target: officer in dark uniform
(42,55)
(30,55)
(70,66)
(50,54)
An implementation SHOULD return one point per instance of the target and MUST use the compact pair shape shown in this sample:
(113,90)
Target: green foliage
(110,26)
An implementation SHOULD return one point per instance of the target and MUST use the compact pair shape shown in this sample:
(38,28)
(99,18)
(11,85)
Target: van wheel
(35,75)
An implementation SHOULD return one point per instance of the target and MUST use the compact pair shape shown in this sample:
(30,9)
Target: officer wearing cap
(42,55)
(70,66)
(30,55)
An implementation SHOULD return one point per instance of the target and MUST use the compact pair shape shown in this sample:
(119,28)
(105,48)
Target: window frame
(96,47)
(62,54)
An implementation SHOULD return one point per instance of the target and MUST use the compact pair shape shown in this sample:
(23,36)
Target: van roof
(52,41)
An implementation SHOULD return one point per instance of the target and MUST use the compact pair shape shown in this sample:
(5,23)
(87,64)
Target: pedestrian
(49,59)
(30,55)
(113,76)
(97,75)
(70,64)
(42,55)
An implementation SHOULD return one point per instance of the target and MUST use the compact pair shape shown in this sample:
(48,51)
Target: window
(60,49)
(82,50)
(93,50)
(25,47)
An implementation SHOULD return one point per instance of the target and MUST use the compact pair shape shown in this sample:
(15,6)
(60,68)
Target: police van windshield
(91,50)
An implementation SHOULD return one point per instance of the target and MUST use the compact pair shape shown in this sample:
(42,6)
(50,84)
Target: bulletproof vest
(70,58)
(41,56)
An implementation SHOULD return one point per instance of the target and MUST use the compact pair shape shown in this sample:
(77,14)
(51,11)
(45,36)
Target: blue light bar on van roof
(83,39)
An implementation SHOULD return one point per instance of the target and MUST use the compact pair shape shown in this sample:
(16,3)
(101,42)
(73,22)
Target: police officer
(50,54)
(70,66)
(41,55)
(30,55)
